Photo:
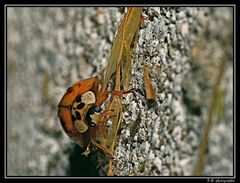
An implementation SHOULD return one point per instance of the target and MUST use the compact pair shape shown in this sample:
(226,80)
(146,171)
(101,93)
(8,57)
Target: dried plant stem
(121,47)
(150,95)
(204,140)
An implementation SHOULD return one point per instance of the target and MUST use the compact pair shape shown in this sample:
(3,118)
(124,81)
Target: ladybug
(81,115)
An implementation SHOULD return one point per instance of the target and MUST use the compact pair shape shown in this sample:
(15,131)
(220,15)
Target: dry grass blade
(204,140)
(150,95)
(121,45)
(120,55)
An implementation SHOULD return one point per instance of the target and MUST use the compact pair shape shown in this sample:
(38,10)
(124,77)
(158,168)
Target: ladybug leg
(102,96)
(87,151)
(102,127)
(102,148)
(108,113)
(121,92)
(101,120)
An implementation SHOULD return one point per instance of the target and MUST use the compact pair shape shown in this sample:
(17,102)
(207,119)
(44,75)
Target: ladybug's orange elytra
(78,89)
(80,112)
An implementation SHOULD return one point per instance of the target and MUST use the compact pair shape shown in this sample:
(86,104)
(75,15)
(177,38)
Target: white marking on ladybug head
(88,98)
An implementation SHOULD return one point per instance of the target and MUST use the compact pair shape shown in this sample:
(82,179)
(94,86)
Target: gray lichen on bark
(50,48)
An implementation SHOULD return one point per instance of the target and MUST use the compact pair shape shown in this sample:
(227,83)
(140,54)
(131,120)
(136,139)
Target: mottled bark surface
(48,49)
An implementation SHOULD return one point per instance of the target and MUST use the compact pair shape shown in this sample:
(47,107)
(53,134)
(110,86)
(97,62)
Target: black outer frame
(235,125)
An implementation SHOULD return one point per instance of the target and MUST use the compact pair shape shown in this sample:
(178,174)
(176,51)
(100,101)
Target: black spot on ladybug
(80,106)
(73,118)
(92,124)
(91,111)
(97,109)
(69,107)
(78,98)
(69,90)
(78,116)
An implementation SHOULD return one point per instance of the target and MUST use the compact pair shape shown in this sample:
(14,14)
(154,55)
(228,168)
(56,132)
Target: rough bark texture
(48,49)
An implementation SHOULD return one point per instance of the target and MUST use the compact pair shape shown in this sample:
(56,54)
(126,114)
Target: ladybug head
(80,110)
